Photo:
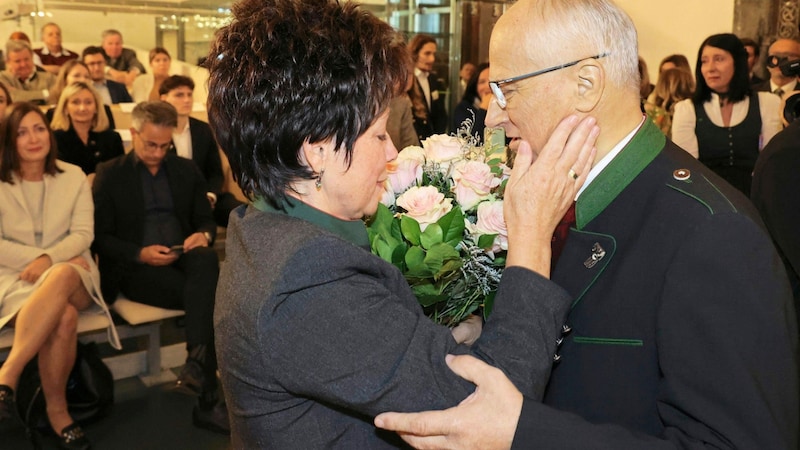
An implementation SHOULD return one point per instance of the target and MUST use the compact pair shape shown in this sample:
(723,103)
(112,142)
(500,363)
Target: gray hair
(17,46)
(600,26)
(156,113)
(110,32)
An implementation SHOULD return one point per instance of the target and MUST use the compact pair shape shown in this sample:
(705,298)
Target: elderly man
(21,77)
(122,65)
(781,51)
(682,331)
(52,55)
(153,231)
(111,91)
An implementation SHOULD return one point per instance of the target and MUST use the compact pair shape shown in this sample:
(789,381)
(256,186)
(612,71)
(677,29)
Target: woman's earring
(318,182)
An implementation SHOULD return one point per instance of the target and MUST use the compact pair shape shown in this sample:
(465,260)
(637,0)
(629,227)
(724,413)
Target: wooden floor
(152,418)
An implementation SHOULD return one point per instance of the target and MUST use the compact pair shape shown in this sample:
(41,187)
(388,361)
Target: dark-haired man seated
(153,229)
(111,91)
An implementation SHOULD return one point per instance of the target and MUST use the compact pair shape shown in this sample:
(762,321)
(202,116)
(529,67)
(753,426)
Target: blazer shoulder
(690,178)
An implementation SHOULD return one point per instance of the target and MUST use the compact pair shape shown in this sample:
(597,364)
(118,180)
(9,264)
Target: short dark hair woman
(724,124)
(315,336)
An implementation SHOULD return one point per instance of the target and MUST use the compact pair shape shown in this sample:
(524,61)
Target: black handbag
(90,391)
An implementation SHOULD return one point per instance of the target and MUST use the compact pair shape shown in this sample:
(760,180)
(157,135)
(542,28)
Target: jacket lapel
(584,258)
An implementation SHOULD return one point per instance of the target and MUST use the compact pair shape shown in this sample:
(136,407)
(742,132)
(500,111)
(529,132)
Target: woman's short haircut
(61,119)
(471,90)
(159,51)
(739,87)
(286,72)
(174,82)
(9,130)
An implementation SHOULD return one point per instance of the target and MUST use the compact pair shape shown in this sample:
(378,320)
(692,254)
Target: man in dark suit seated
(193,140)
(153,231)
(111,91)
(682,331)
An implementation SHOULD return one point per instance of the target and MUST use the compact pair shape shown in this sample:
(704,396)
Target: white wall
(676,26)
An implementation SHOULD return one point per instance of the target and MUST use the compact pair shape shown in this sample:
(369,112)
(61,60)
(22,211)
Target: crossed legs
(47,324)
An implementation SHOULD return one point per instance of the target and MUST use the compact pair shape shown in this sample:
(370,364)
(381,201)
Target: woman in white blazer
(47,273)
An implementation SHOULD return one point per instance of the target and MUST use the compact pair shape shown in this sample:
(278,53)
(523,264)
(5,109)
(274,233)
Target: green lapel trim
(608,341)
(646,144)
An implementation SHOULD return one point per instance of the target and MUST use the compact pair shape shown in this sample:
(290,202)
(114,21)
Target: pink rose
(491,221)
(388,194)
(474,182)
(441,148)
(412,152)
(403,173)
(424,204)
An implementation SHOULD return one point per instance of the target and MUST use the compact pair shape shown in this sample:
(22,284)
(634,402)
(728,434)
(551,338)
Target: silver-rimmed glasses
(501,98)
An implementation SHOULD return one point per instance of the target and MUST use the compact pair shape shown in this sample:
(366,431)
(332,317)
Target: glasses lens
(775,60)
(498,94)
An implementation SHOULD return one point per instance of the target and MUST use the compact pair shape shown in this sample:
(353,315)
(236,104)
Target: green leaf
(431,236)
(410,229)
(415,259)
(452,225)
(486,240)
(439,255)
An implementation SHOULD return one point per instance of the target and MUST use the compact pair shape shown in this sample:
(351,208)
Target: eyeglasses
(501,98)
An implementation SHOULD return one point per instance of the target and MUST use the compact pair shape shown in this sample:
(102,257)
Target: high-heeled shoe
(8,407)
(73,438)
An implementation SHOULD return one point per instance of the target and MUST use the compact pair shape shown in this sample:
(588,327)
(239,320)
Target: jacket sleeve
(373,350)
(727,348)
(107,243)
(81,227)
(683,123)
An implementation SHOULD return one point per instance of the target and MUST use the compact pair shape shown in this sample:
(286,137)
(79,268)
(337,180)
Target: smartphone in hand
(176,249)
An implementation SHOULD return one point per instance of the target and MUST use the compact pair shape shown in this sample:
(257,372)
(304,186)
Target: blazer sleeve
(683,123)
(203,141)
(374,350)
(107,242)
(720,387)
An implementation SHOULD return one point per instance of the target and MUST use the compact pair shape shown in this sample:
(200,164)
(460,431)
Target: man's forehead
(784,46)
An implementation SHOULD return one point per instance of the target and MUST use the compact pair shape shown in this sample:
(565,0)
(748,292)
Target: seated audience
(315,334)
(725,124)
(673,86)
(52,55)
(71,72)
(193,140)
(110,91)
(80,127)
(21,77)
(122,65)
(47,274)
(5,101)
(145,87)
(153,232)
(475,102)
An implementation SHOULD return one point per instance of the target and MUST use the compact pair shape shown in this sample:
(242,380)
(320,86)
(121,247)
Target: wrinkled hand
(469,330)
(35,269)
(195,240)
(541,190)
(80,261)
(157,255)
(487,419)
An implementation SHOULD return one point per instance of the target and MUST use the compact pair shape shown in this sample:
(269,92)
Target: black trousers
(190,283)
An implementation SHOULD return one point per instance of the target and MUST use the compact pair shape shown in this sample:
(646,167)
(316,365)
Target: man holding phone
(153,231)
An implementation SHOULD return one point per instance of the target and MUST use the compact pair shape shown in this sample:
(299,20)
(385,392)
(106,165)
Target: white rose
(403,173)
(491,221)
(441,148)
(388,194)
(424,204)
(474,182)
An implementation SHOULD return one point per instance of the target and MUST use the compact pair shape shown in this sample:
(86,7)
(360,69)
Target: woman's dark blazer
(102,146)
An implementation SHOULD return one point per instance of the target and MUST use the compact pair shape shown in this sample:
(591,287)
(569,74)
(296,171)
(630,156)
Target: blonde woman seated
(71,72)
(47,274)
(146,86)
(673,86)
(81,128)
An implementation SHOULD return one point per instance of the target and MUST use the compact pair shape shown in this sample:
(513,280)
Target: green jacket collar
(353,231)
(629,163)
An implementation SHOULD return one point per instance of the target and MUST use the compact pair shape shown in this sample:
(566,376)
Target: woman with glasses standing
(725,125)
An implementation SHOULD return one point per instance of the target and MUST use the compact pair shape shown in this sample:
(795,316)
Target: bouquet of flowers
(441,223)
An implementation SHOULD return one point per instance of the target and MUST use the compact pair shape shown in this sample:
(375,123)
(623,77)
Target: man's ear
(591,84)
